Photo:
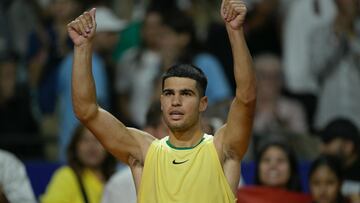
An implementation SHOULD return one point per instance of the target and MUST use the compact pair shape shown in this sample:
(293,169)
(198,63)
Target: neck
(187,138)
(98,173)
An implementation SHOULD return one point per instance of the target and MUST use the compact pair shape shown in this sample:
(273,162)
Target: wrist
(84,46)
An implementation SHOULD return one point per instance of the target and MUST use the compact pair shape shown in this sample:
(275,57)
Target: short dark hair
(341,128)
(187,71)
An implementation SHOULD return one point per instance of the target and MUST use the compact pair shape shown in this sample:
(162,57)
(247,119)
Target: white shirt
(120,188)
(136,76)
(298,27)
(13,179)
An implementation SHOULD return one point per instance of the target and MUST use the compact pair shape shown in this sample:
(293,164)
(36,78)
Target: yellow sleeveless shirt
(184,175)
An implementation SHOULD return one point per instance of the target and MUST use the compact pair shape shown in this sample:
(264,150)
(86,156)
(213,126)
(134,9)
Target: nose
(176,100)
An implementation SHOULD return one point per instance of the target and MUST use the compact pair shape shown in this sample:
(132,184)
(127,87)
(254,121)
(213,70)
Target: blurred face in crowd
(334,147)
(274,167)
(64,10)
(269,77)
(89,150)
(173,43)
(7,80)
(324,185)
(151,32)
(106,42)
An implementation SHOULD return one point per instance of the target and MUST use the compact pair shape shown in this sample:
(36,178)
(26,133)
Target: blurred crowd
(306,55)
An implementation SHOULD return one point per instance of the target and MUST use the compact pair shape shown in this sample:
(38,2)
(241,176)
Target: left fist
(233,12)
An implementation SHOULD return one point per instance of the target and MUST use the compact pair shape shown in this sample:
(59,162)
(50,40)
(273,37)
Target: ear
(203,103)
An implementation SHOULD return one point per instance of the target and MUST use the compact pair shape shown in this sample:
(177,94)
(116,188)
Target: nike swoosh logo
(180,162)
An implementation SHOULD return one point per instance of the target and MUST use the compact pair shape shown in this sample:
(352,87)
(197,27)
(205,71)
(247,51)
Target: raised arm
(122,142)
(233,138)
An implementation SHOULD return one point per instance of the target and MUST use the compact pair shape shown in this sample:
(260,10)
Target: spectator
(276,176)
(276,166)
(48,44)
(108,27)
(18,127)
(303,17)
(337,65)
(82,180)
(263,27)
(275,113)
(14,183)
(325,179)
(341,138)
(137,72)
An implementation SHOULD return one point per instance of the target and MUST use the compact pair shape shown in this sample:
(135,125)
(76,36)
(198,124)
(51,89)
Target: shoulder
(9,161)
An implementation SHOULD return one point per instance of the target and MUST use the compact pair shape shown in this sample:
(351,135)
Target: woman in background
(82,179)
(277,179)
(325,179)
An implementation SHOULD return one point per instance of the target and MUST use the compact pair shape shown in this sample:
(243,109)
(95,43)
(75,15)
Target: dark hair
(108,166)
(341,128)
(181,23)
(187,71)
(294,183)
(334,164)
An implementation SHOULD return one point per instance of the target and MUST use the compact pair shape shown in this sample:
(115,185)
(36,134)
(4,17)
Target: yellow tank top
(184,175)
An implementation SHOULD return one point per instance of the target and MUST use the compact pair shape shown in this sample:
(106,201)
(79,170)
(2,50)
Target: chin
(177,127)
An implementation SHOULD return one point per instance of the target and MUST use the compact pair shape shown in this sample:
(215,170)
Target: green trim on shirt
(183,148)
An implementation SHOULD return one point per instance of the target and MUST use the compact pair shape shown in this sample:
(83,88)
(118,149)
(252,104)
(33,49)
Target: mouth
(273,174)
(176,115)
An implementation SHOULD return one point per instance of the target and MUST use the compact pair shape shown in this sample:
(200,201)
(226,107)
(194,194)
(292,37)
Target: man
(341,138)
(188,165)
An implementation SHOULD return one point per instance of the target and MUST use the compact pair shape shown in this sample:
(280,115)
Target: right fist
(82,29)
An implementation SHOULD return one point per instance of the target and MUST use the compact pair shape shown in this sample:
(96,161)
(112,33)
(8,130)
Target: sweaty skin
(181,103)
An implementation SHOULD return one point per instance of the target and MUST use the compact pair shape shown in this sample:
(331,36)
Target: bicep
(235,135)
(119,140)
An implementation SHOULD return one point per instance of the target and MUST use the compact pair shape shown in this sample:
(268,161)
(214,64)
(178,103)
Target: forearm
(243,66)
(83,85)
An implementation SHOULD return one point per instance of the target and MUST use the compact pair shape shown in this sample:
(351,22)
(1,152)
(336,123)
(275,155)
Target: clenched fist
(82,29)
(233,12)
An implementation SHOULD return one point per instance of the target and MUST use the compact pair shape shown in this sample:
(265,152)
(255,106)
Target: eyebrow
(187,91)
(181,91)
(167,90)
